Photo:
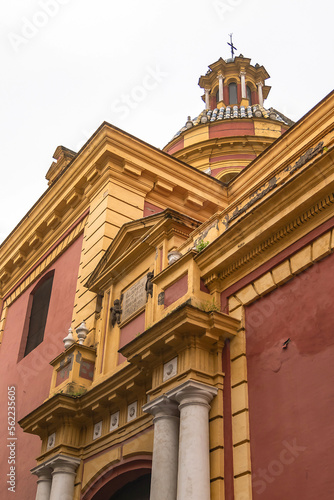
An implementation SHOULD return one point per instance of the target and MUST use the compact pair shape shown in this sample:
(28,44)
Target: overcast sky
(68,65)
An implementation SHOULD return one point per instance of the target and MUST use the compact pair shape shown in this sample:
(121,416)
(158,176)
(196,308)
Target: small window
(232,93)
(217,97)
(249,95)
(40,300)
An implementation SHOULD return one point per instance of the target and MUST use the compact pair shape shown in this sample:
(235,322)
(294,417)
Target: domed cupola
(234,127)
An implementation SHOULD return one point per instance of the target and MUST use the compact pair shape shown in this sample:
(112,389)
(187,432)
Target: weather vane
(231,45)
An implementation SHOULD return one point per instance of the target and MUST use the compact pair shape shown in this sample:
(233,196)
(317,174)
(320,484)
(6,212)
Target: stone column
(43,482)
(165,448)
(207,98)
(243,84)
(194,464)
(259,89)
(63,476)
(220,83)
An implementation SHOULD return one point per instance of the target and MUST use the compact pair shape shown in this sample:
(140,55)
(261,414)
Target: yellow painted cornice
(109,154)
(167,335)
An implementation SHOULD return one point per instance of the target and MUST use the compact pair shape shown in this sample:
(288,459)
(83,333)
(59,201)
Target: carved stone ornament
(116,311)
(149,285)
(97,430)
(161,299)
(170,369)
(173,256)
(51,441)
(132,411)
(114,421)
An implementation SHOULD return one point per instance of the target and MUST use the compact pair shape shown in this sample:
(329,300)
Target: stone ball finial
(82,331)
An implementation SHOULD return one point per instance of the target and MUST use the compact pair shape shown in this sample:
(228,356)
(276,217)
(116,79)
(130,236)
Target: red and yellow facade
(205,355)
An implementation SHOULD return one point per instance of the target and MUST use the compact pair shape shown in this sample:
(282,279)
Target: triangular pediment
(135,238)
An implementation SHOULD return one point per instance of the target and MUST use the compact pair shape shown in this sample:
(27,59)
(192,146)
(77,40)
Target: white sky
(68,64)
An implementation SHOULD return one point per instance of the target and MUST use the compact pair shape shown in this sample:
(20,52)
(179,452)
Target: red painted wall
(150,209)
(176,147)
(238,93)
(230,129)
(176,290)
(130,331)
(32,375)
(255,97)
(225,95)
(291,391)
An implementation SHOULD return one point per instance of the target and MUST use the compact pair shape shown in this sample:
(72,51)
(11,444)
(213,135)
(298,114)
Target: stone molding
(69,464)
(193,393)
(161,407)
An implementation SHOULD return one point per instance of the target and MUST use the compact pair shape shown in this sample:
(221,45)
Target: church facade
(165,317)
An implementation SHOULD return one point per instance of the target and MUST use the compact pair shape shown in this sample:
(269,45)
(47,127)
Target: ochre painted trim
(274,261)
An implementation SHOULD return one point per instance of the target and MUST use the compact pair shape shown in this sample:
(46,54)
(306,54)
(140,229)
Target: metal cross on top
(231,45)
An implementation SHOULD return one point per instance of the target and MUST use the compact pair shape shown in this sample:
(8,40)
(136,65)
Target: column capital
(193,393)
(64,462)
(43,472)
(242,73)
(162,407)
(220,76)
(259,84)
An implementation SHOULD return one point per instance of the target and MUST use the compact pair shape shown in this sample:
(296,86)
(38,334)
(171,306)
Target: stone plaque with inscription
(134,298)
